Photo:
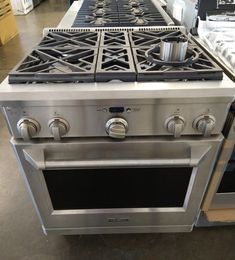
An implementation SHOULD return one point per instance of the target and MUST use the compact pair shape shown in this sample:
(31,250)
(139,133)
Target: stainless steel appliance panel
(195,156)
(144,117)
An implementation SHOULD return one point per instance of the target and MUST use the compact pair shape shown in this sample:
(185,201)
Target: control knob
(28,128)
(204,124)
(116,127)
(58,127)
(175,125)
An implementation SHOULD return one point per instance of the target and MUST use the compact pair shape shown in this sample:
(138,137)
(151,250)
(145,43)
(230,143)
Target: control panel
(115,121)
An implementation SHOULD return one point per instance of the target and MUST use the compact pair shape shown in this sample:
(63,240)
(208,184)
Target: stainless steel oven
(98,185)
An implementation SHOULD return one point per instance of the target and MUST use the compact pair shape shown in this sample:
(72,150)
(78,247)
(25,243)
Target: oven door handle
(36,157)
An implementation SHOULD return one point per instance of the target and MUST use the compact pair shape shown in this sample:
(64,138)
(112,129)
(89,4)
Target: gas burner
(98,20)
(134,3)
(139,20)
(137,11)
(95,8)
(118,13)
(101,4)
(99,12)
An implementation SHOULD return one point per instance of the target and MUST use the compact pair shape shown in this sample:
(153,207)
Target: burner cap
(99,12)
(137,11)
(100,21)
(100,4)
(139,20)
(134,3)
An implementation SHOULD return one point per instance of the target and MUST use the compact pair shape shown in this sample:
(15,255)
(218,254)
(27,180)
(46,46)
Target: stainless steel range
(111,135)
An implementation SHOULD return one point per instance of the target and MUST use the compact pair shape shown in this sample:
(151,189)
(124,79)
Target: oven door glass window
(118,188)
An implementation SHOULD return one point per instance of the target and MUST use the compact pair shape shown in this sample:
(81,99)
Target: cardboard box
(8,28)
(221,215)
(21,7)
(5,7)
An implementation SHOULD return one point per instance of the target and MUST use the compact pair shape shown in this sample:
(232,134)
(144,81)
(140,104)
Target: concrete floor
(21,236)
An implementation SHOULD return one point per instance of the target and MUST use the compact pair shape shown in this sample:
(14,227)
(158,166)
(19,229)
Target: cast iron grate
(126,6)
(118,13)
(201,68)
(56,65)
(141,20)
(115,64)
(114,39)
(150,38)
(108,7)
(70,39)
(91,19)
(114,58)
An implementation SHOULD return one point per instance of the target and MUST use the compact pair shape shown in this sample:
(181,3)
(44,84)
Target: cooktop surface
(108,13)
(111,55)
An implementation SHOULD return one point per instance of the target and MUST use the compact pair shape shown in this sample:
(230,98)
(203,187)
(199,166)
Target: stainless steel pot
(173,49)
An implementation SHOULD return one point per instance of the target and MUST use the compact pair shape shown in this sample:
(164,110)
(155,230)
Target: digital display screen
(116,109)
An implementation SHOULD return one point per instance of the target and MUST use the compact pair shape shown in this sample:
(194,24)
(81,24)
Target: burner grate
(150,38)
(115,64)
(117,55)
(140,20)
(114,39)
(201,67)
(56,65)
(118,13)
(70,39)
(91,19)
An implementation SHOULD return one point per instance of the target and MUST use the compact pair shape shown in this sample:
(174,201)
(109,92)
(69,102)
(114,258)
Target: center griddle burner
(111,55)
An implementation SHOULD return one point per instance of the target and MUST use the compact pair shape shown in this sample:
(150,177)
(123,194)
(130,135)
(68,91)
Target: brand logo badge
(118,220)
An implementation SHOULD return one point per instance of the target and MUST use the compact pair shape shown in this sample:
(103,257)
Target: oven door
(104,186)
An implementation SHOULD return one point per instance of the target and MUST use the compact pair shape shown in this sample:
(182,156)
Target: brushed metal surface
(144,117)
(137,220)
